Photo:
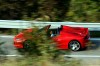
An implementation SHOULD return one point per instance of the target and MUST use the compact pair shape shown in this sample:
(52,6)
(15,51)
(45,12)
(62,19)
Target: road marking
(94,56)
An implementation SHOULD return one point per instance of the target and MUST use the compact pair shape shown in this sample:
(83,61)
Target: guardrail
(21,24)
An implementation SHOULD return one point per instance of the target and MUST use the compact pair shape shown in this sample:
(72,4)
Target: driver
(51,34)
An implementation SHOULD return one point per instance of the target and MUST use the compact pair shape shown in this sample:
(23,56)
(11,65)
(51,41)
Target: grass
(41,61)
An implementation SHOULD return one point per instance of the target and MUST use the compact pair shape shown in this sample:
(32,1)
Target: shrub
(41,50)
(39,43)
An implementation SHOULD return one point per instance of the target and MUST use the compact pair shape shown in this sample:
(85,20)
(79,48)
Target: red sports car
(66,37)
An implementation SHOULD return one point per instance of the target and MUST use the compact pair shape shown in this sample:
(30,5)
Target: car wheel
(26,44)
(74,45)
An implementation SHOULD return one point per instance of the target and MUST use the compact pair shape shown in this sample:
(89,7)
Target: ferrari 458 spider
(66,37)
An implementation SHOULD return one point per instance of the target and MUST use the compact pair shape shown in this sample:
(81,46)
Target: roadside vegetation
(95,34)
(51,10)
(9,31)
(32,61)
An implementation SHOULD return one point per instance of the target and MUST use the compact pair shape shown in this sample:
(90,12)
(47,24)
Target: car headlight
(18,40)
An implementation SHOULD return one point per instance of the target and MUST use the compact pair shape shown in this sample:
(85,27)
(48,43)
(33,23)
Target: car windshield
(46,28)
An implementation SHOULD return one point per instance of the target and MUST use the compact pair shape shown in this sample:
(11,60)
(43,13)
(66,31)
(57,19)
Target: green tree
(84,11)
(51,10)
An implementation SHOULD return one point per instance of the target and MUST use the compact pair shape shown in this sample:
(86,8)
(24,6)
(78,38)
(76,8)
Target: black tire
(27,44)
(74,45)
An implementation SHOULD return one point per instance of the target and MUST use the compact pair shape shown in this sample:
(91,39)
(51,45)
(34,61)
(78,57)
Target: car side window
(51,34)
(54,32)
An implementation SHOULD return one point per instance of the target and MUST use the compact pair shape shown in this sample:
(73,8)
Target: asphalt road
(93,50)
(88,57)
(7,47)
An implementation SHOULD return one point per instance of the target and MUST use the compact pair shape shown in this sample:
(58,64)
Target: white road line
(93,56)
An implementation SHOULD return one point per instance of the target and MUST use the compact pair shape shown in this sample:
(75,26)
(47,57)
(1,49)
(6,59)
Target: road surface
(7,47)
(89,57)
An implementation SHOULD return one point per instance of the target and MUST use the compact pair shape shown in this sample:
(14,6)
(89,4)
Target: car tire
(74,45)
(26,44)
